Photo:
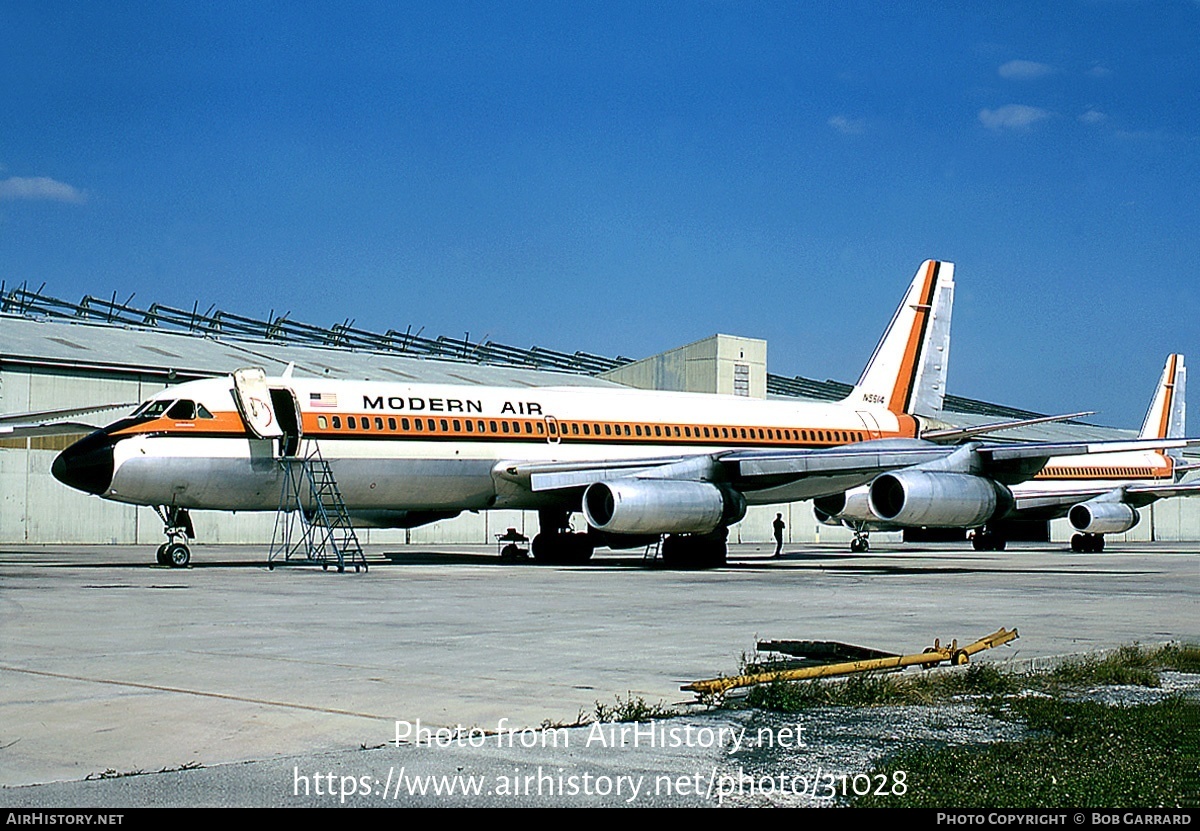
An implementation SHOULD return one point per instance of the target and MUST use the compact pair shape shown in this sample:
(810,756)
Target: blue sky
(623,178)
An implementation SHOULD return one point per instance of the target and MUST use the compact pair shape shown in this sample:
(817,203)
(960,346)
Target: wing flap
(544,476)
(581,478)
(836,461)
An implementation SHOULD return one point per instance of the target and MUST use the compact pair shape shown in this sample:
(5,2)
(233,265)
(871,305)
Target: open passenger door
(269,412)
(253,401)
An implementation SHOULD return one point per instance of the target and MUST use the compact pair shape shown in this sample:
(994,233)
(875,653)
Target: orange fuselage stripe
(230,424)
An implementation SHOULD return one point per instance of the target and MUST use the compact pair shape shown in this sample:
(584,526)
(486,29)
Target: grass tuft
(632,708)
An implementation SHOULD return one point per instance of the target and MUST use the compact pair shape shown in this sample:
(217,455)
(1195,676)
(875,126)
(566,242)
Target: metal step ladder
(312,518)
(652,553)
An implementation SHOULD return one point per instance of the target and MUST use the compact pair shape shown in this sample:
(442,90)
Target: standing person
(778,526)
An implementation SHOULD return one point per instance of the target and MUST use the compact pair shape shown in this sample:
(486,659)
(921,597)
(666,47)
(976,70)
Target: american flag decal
(322,399)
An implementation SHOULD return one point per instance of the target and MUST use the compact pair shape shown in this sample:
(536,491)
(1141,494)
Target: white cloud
(848,126)
(1012,117)
(41,188)
(1099,71)
(1025,70)
(1093,117)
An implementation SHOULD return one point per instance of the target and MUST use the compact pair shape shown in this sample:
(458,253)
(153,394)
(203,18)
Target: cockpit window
(185,410)
(153,409)
(182,410)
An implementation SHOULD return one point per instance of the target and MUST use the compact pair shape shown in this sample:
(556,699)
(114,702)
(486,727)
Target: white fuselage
(445,447)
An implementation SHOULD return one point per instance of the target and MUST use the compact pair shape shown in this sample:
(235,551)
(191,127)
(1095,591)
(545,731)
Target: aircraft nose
(87,465)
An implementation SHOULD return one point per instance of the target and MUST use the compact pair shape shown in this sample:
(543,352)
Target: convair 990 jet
(640,466)
(1097,494)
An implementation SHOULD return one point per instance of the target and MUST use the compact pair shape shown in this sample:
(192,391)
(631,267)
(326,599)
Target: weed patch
(1078,753)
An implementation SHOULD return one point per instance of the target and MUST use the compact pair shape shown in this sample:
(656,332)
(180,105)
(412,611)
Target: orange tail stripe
(905,377)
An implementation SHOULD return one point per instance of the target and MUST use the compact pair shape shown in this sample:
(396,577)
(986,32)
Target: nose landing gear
(177,525)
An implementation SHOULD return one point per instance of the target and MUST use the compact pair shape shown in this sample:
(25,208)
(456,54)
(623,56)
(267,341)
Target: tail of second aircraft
(1166,417)
(907,372)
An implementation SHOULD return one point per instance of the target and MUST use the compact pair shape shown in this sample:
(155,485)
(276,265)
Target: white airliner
(639,465)
(1098,494)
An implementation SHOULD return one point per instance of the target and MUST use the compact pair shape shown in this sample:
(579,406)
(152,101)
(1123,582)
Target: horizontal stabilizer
(953,434)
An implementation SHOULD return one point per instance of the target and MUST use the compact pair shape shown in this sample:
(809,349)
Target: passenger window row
(1109,472)
(589,429)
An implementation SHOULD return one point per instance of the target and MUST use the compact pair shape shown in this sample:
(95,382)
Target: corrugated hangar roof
(105,346)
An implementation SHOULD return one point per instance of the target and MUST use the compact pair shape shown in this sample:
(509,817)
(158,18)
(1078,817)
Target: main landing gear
(556,544)
(985,540)
(695,550)
(1087,543)
(177,525)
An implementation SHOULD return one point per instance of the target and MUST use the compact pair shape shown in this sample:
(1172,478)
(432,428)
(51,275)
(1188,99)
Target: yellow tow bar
(932,656)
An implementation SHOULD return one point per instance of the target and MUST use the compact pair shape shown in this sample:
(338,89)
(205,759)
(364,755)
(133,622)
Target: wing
(53,422)
(1005,463)
(745,470)
(1051,503)
(700,492)
(759,470)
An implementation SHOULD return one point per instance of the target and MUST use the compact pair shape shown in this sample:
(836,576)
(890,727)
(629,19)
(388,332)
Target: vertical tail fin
(907,372)
(1166,418)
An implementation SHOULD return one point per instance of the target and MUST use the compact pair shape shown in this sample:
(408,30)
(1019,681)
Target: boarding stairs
(312,521)
(652,553)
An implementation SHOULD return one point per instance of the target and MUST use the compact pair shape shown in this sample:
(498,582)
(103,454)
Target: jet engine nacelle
(851,506)
(661,506)
(932,499)
(1103,517)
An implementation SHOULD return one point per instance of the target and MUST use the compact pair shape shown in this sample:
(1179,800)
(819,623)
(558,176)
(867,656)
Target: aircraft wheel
(161,555)
(544,548)
(1077,543)
(999,544)
(694,551)
(718,555)
(178,555)
(979,542)
(1098,546)
(856,546)
(579,549)
(562,549)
